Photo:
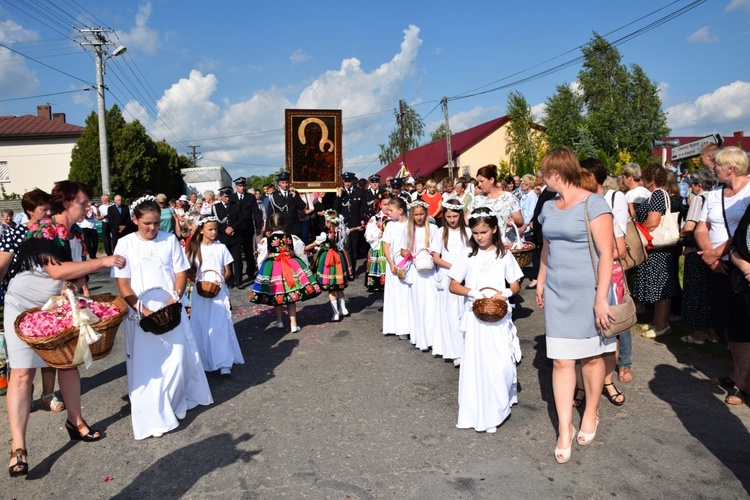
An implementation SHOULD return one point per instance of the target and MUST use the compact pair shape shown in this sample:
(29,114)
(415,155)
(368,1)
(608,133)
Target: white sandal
(51,402)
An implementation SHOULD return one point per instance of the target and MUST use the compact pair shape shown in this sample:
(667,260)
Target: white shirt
(637,195)
(712,214)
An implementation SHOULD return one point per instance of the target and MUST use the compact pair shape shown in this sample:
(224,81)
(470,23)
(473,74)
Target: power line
(44,95)
(46,65)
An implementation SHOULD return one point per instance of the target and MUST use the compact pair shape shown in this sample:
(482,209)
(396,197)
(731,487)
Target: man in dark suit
(253,224)
(232,219)
(120,222)
(546,195)
(351,203)
(373,194)
(286,201)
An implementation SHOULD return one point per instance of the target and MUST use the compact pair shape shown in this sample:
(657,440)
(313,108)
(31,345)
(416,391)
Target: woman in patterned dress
(283,277)
(493,196)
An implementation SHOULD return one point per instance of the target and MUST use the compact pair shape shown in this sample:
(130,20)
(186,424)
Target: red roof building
(35,150)
(471,149)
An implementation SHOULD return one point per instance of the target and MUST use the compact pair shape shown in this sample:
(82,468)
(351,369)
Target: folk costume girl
(396,291)
(422,246)
(376,264)
(165,376)
(283,277)
(211,318)
(487,380)
(331,263)
(455,244)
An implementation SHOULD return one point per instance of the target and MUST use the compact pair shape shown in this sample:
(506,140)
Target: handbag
(635,243)
(623,314)
(667,232)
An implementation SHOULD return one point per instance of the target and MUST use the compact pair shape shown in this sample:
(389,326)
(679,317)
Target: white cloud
(663,90)
(16,78)
(738,4)
(703,35)
(141,36)
(206,65)
(299,56)
(539,111)
(726,108)
(251,132)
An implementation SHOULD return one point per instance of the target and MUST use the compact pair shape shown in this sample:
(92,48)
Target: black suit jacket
(289,207)
(117,219)
(352,206)
(232,215)
(253,215)
(544,197)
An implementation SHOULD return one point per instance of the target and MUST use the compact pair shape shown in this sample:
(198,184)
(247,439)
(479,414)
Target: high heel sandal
(14,470)
(562,455)
(585,438)
(75,432)
(613,397)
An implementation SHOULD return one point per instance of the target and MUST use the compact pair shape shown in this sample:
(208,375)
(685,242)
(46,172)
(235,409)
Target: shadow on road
(175,474)
(705,417)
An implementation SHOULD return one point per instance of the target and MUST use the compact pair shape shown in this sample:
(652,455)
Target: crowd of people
(440,252)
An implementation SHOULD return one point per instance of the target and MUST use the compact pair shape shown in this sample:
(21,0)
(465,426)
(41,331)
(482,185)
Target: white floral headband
(204,220)
(418,203)
(482,215)
(455,207)
(328,215)
(142,199)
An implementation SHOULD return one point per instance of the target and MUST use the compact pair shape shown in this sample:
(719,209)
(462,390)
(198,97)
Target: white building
(35,150)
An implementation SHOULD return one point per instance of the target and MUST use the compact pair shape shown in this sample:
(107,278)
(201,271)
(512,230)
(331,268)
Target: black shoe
(75,432)
(529,287)
(20,468)
(242,286)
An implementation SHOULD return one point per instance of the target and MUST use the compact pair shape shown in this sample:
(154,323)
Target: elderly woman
(42,267)
(656,279)
(719,221)
(462,194)
(209,198)
(635,192)
(574,302)
(696,310)
(497,199)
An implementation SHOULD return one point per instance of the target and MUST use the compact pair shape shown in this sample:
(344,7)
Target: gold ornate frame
(313,148)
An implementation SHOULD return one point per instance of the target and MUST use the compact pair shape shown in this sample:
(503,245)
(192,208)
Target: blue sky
(220,74)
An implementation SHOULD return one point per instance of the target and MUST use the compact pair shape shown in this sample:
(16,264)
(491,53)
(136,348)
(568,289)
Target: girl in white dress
(211,319)
(422,241)
(396,291)
(487,380)
(165,376)
(455,242)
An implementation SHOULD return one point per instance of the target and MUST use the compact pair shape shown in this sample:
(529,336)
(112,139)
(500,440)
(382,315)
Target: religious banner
(313,148)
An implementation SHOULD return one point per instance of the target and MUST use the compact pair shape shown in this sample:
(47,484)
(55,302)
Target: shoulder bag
(635,246)
(667,232)
(623,314)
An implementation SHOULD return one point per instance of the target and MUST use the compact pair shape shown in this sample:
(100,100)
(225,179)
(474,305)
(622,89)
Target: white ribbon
(83,319)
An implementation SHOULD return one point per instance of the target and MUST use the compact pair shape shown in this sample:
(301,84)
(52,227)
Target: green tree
(622,107)
(137,163)
(564,117)
(523,140)
(413,130)
(440,133)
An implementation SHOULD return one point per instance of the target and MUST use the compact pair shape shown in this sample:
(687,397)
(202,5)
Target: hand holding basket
(162,321)
(208,289)
(490,309)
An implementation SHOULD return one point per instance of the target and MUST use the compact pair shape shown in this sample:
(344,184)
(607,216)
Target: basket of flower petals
(208,289)
(70,331)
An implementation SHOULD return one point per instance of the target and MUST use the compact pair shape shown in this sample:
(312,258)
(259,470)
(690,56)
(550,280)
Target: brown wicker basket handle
(139,304)
(217,273)
(489,288)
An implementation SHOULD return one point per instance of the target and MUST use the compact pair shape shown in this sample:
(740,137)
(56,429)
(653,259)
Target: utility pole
(401,126)
(194,154)
(448,138)
(99,41)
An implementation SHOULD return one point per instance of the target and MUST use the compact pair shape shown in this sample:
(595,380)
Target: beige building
(35,150)
(471,149)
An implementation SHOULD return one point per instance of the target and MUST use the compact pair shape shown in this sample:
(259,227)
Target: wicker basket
(423,261)
(523,255)
(162,321)
(488,309)
(208,289)
(58,351)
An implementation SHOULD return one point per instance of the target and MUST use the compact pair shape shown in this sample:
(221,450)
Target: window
(4,172)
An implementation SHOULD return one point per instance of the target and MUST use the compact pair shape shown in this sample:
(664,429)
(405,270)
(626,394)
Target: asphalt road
(340,411)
